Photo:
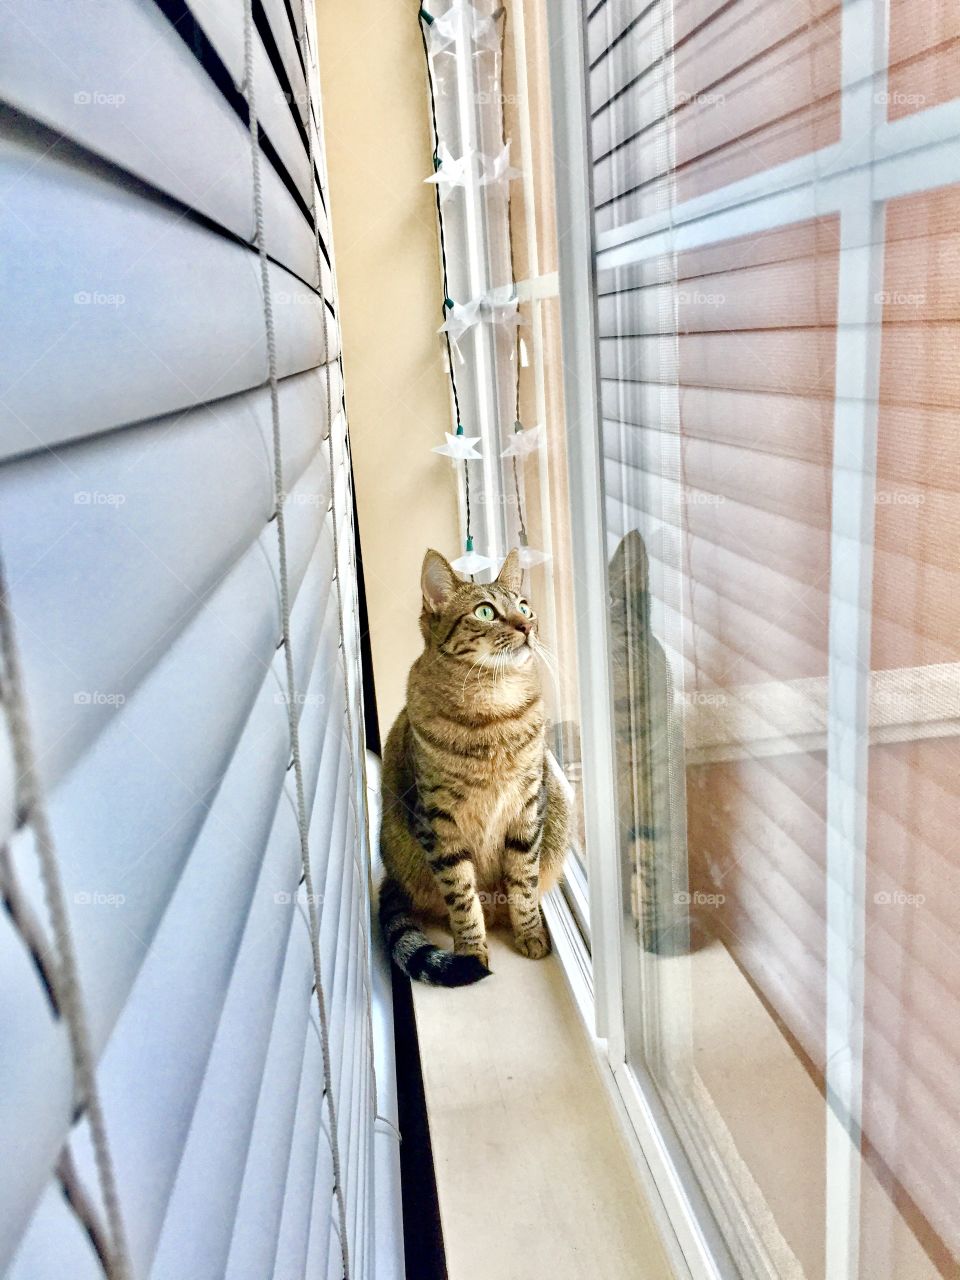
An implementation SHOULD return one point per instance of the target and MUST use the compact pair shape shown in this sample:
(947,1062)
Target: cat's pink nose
(524,625)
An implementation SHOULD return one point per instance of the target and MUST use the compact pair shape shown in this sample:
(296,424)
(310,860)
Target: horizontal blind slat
(149,1093)
(75,568)
(199,1216)
(309,1147)
(260,1204)
(121,310)
(55,1244)
(110,104)
(223,25)
(162,770)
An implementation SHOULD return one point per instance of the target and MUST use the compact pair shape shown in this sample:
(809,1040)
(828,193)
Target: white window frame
(873,161)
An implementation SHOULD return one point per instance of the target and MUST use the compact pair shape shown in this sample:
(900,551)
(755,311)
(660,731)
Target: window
(507,364)
(762,218)
(526,107)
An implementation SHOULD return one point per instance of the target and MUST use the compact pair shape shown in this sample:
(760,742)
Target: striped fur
(643,699)
(473,819)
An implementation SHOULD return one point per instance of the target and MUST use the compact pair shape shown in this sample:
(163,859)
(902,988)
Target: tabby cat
(643,722)
(472,815)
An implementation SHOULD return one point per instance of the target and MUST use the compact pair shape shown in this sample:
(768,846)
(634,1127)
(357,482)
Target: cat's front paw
(534,945)
(478,949)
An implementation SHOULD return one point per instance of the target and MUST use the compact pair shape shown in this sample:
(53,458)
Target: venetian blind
(138,525)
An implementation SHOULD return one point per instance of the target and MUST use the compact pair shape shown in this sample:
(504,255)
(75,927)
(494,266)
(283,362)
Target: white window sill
(533,1174)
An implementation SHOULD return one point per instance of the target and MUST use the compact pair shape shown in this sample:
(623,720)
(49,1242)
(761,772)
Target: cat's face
(488,625)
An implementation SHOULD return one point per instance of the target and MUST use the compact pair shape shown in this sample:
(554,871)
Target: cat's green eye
(485,612)
(525,609)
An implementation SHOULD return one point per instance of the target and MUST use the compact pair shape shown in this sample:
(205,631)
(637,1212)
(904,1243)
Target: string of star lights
(525,441)
(455,173)
(439,33)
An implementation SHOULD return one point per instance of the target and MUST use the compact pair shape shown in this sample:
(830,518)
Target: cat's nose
(524,624)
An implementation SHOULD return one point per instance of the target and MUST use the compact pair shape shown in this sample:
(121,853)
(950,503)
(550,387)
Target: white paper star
(461,317)
(523,443)
(452,172)
(497,168)
(530,556)
(462,17)
(507,314)
(459,447)
(471,563)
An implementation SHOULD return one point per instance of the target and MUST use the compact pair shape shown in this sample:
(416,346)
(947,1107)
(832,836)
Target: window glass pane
(779,400)
(911,1085)
(543,515)
(755,84)
(924,55)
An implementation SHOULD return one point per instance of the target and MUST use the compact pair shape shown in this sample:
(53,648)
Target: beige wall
(379,148)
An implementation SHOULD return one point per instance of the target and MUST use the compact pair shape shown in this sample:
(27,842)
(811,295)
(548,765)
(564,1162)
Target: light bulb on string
(461,316)
(444,31)
(530,556)
(459,446)
(451,172)
(523,442)
(497,169)
(471,562)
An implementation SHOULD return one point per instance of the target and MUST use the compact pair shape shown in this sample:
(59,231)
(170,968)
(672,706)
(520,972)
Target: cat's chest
(485,816)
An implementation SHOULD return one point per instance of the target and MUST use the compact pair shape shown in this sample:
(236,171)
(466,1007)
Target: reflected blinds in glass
(775,192)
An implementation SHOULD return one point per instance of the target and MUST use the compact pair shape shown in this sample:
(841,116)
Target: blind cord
(351,740)
(32,811)
(292,703)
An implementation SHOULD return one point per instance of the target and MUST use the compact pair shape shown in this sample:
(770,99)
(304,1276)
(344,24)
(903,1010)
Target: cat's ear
(437,581)
(510,576)
(629,561)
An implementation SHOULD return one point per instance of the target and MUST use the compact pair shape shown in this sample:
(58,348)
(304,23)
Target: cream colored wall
(379,149)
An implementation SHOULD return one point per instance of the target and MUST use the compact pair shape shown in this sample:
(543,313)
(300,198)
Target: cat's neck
(457,688)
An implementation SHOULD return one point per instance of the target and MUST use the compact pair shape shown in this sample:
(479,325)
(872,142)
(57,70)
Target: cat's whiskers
(548,659)
(474,666)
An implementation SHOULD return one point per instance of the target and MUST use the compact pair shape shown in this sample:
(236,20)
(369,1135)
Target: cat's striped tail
(413,953)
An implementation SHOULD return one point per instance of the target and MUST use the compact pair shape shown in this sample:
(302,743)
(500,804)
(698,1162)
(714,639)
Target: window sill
(533,1174)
